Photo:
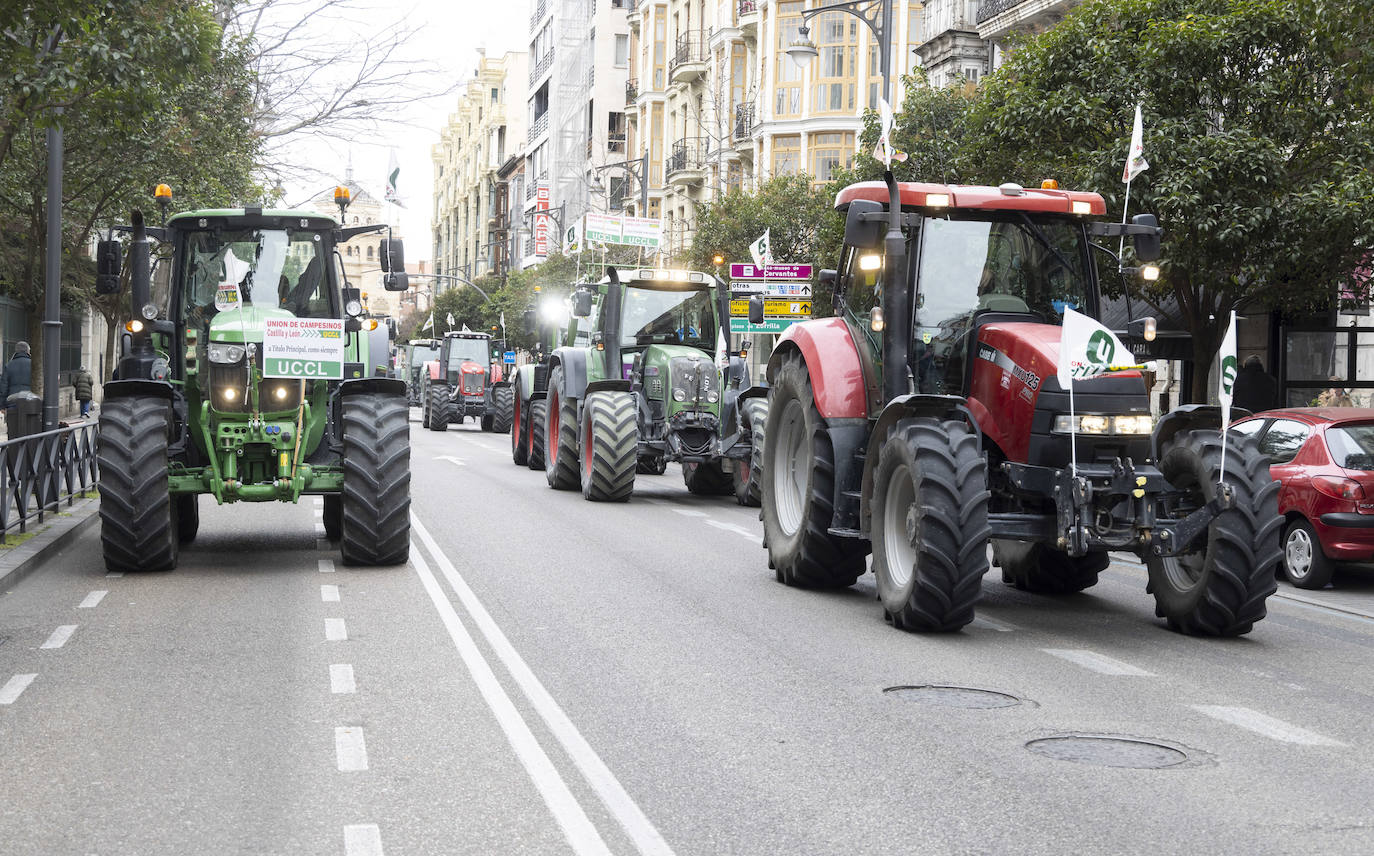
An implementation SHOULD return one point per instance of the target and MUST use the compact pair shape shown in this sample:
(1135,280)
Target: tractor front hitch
(1182,536)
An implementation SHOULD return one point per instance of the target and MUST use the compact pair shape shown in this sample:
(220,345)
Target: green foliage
(930,130)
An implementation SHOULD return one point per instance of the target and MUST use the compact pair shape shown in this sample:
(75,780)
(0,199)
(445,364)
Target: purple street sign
(747,271)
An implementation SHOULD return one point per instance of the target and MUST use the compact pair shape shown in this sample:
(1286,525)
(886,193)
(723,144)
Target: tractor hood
(245,324)
(1033,353)
(669,373)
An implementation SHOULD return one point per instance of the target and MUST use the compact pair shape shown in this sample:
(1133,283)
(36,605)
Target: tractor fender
(902,407)
(432,368)
(379,385)
(138,387)
(574,363)
(607,386)
(523,381)
(832,361)
(1187,418)
(736,404)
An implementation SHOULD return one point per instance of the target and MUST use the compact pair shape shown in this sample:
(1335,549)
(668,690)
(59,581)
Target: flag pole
(1121,248)
(1073,433)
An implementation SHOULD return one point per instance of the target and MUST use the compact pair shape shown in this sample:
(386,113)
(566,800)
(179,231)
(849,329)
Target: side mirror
(582,303)
(396,281)
(1147,245)
(393,257)
(108,260)
(756,309)
(529,323)
(864,224)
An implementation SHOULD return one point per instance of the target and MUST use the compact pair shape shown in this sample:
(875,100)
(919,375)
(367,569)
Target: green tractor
(416,353)
(649,389)
(553,326)
(243,375)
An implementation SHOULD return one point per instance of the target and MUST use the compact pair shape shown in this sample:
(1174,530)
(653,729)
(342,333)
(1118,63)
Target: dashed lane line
(1268,726)
(329,594)
(93,599)
(452,460)
(689,512)
(362,839)
(341,681)
(335,630)
(15,687)
(613,795)
(350,750)
(114,575)
(732,527)
(326,566)
(59,637)
(993,624)
(1100,663)
(577,827)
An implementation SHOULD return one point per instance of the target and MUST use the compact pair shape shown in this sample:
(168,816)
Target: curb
(18,562)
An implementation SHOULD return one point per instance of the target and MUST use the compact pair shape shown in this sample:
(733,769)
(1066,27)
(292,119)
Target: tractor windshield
(421,354)
(668,316)
(278,268)
(461,350)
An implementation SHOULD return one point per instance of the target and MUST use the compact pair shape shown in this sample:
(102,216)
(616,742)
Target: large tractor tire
(1037,568)
(503,405)
(560,449)
(706,479)
(539,414)
(424,406)
(519,440)
(1220,588)
(610,445)
(746,472)
(485,423)
(930,524)
(333,516)
(439,407)
(137,513)
(188,517)
(376,483)
(650,465)
(798,490)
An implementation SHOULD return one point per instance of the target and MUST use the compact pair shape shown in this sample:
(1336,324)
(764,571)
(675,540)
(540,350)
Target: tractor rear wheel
(1037,568)
(438,408)
(376,483)
(746,472)
(560,449)
(485,424)
(137,513)
(519,442)
(706,479)
(333,516)
(610,441)
(424,406)
(798,492)
(651,466)
(188,517)
(930,524)
(1219,589)
(503,403)
(539,414)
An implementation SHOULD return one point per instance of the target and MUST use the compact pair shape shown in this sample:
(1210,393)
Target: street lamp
(641,175)
(877,14)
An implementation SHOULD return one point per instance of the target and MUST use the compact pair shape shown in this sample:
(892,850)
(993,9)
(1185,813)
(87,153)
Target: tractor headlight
(1092,423)
(679,395)
(149,311)
(226,354)
(1134,424)
(712,398)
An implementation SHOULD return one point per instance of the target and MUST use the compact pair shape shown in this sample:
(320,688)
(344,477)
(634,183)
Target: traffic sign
(773,307)
(770,325)
(748,271)
(508,358)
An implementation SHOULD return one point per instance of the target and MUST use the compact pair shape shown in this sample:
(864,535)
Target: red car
(1324,458)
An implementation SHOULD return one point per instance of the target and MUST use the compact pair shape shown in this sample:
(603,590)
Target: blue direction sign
(508,358)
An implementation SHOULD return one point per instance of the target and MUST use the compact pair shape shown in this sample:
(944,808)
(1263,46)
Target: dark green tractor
(243,376)
(656,384)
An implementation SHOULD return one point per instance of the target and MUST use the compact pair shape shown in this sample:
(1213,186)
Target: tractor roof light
(870,261)
(553,310)
(1081,207)
(161,192)
(1149,273)
(342,194)
(937,200)
(1049,184)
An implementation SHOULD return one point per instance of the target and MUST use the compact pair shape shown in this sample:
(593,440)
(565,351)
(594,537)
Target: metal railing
(748,7)
(540,125)
(687,154)
(544,64)
(540,10)
(37,472)
(993,8)
(615,143)
(532,188)
(744,122)
(631,90)
(689,49)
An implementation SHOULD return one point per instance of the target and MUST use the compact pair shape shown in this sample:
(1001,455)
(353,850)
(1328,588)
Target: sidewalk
(45,540)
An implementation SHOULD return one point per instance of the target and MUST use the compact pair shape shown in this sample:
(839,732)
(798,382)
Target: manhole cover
(1106,750)
(965,697)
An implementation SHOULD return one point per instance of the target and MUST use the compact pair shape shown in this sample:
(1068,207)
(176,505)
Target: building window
(369,252)
(660,45)
(829,152)
(615,132)
(787,75)
(786,155)
(836,35)
(656,146)
(495,95)
(622,51)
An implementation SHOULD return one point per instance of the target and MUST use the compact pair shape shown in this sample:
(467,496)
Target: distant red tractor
(925,423)
(464,381)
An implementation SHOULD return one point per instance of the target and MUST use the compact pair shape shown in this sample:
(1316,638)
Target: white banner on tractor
(1226,383)
(1086,350)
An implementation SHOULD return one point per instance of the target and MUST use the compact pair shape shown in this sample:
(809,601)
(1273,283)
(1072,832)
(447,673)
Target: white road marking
(993,624)
(334,630)
(362,839)
(326,566)
(329,594)
(92,600)
(1276,729)
(1329,609)
(451,460)
(341,679)
(689,512)
(1100,663)
(733,527)
(15,687)
(114,575)
(621,806)
(350,749)
(59,636)
(577,827)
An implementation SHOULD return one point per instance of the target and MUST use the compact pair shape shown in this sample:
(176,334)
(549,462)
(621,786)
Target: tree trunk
(35,335)
(1206,339)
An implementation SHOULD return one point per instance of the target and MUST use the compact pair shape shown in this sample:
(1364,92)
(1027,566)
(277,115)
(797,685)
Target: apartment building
(998,20)
(717,103)
(578,64)
(488,126)
(361,262)
(953,48)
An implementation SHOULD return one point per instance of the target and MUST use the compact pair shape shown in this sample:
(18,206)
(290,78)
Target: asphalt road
(549,675)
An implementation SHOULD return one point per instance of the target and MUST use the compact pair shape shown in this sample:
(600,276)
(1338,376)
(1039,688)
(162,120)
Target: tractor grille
(655,387)
(472,384)
(229,387)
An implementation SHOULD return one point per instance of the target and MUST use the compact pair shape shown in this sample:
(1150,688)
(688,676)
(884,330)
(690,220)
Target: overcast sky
(451,31)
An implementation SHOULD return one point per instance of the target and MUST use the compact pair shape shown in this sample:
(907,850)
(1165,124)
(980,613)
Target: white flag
(429,325)
(1135,158)
(885,151)
(450,319)
(503,322)
(722,350)
(393,172)
(1087,349)
(762,249)
(1226,372)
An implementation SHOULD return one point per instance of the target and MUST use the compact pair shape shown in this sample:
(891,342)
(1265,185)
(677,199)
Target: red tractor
(924,423)
(462,382)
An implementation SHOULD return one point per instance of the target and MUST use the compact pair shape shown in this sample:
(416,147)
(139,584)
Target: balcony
(748,12)
(631,91)
(745,122)
(541,8)
(687,162)
(615,143)
(540,68)
(537,130)
(993,8)
(689,60)
(532,188)
(998,19)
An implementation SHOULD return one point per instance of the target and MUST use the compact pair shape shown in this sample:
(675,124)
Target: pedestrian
(18,376)
(1335,396)
(85,386)
(1255,389)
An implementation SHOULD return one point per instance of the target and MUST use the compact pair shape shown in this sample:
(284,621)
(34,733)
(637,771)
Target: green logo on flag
(1101,349)
(1228,374)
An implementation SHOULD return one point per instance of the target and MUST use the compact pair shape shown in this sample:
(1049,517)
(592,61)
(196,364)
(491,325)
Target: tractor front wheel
(333,516)
(539,414)
(188,517)
(376,484)
(746,472)
(651,466)
(798,490)
(560,450)
(1037,568)
(706,479)
(1220,588)
(137,512)
(503,403)
(610,442)
(519,442)
(438,408)
(930,524)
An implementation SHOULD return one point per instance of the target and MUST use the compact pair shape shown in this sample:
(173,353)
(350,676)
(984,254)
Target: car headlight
(679,395)
(226,354)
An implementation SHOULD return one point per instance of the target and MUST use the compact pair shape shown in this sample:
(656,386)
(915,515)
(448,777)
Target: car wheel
(1304,563)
